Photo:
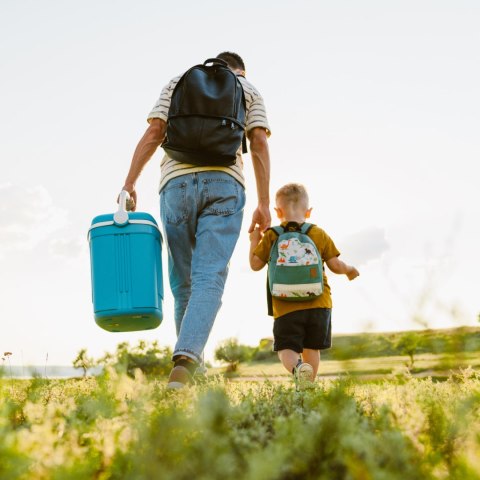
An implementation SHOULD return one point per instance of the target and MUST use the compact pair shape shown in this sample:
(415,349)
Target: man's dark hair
(233,59)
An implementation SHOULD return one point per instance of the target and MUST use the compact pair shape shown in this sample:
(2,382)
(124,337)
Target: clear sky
(373,105)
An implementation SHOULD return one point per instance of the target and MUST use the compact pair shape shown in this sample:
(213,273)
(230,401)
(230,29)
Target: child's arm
(256,263)
(337,266)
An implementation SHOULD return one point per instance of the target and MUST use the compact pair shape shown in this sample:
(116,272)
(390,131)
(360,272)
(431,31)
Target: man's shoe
(179,377)
(303,375)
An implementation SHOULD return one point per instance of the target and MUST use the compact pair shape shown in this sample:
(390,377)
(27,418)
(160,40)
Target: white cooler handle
(120,217)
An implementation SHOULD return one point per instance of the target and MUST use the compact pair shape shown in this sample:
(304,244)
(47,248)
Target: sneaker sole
(305,373)
(304,377)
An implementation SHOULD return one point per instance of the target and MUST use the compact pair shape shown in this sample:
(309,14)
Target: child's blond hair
(292,194)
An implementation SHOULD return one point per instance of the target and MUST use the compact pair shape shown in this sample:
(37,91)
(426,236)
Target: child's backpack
(295,270)
(206,119)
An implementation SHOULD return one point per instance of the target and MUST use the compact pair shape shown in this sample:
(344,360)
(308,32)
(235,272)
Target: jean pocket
(223,196)
(173,202)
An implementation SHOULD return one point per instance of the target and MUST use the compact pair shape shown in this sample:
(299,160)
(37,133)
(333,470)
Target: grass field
(117,427)
(366,418)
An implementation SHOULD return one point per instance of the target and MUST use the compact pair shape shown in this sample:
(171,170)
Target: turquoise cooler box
(126,267)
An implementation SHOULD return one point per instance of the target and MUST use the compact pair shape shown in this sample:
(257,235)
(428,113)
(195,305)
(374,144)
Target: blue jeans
(201,215)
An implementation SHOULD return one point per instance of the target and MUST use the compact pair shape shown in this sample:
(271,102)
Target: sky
(373,106)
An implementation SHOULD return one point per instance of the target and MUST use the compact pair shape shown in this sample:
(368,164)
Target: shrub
(232,353)
(151,359)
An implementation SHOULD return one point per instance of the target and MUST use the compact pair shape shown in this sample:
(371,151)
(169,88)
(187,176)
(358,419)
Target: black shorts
(311,328)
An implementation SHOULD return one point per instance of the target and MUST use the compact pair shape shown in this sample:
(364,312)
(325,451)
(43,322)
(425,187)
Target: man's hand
(132,201)
(261,219)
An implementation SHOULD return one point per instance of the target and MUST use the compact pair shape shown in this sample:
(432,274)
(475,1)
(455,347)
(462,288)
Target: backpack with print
(206,119)
(295,271)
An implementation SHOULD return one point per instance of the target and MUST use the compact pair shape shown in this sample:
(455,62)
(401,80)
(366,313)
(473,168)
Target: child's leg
(313,358)
(289,359)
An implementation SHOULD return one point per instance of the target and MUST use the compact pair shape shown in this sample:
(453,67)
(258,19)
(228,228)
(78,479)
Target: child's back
(302,327)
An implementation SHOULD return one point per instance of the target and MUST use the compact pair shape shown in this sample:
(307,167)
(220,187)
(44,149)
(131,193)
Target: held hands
(261,218)
(256,236)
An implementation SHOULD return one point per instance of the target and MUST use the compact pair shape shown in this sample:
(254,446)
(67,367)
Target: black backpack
(206,120)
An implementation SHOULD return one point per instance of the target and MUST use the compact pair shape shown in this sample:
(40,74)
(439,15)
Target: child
(301,329)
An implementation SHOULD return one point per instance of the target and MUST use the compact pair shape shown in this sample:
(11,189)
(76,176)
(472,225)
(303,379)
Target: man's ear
(308,212)
(279,212)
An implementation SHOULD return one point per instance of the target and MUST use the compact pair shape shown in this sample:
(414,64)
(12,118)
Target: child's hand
(256,236)
(352,273)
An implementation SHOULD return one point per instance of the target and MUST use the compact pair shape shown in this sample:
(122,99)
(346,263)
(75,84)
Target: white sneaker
(303,375)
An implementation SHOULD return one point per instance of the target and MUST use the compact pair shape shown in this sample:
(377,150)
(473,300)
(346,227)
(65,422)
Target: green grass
(366,418)
(117,427)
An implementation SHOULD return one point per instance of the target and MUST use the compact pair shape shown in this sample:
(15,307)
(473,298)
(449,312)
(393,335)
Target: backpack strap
(244,144)
(269,300)
(306,227)
(277,230)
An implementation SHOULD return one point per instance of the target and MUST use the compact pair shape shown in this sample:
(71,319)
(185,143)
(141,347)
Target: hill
(436,341)
(432,352)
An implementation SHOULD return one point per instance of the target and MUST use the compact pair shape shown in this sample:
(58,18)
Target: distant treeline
(447,341)
(367,345)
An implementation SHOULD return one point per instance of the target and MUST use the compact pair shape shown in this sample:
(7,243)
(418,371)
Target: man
(201,208)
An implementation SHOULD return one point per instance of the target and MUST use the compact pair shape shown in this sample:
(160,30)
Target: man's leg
(178,212)
(221,200)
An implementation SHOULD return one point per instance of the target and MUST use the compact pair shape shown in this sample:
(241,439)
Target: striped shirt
(256,116)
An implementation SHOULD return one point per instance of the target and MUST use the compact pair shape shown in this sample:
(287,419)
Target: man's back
(256,117)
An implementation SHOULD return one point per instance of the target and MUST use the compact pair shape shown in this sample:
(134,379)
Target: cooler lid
(133,217)
(108,220)
(122,217)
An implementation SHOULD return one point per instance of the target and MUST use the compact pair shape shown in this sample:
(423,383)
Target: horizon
(5,365)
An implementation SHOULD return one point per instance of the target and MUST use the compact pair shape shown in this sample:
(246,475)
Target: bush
(149,358)
(232,353)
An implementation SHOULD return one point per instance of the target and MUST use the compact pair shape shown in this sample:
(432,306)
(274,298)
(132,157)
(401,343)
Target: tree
(408,344)
(83,361)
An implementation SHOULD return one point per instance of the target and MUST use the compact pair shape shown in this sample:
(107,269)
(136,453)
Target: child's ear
(308,212)
(279,212)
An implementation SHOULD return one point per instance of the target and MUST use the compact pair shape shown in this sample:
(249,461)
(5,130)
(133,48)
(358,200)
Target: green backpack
(295,271)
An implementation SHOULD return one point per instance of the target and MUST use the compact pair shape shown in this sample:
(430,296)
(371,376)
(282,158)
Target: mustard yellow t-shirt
(327,250)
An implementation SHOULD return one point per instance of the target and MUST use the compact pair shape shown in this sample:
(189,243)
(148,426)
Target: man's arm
(148,144)
(261,166)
